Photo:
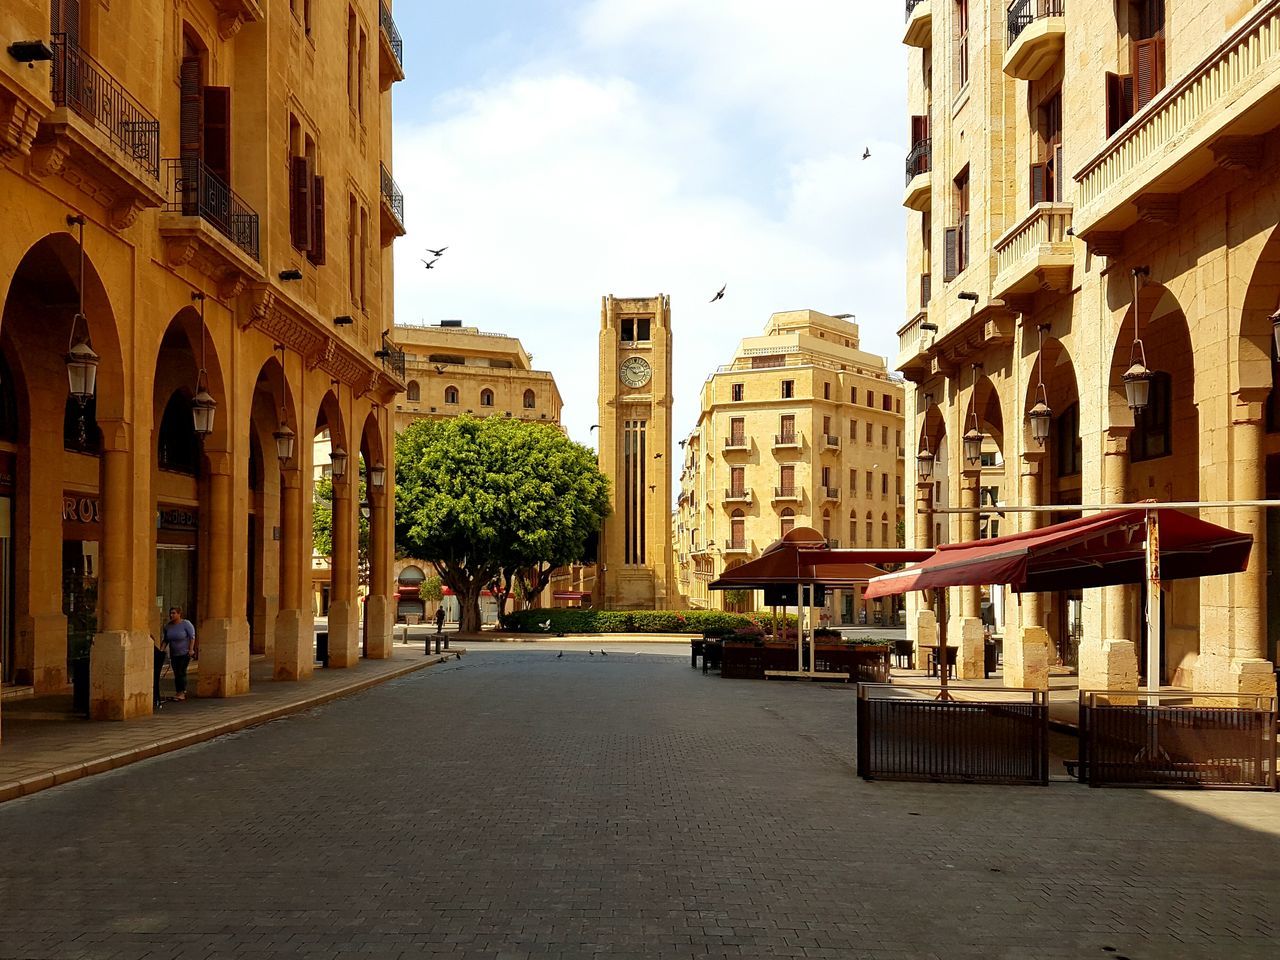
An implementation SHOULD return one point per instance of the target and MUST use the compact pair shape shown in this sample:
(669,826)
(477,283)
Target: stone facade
(802,428)
(1081,170)
(184,177)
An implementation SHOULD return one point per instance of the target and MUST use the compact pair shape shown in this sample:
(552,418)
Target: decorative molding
(49,157)
(1159,208)
(326,351)
(1105,243)
(1238,152)
(229,25)
(19,120)
(124,213)
(1053,278)
(179,251)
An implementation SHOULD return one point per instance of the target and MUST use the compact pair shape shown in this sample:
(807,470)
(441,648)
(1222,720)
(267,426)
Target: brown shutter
(964,243)
(919,129)
(191,132)
(1148,71)
(951,254)
(316,255)
(1039,183)
(64,17)
(217,131)
(300,202)
(1059,181)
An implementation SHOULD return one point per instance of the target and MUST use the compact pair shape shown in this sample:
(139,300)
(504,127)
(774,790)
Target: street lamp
(1137,379)
(338,463)
(203,406)
(973,438)
(925,461)
(284,444)
(81,360)
(1040,414)
(377,476)
(366,510)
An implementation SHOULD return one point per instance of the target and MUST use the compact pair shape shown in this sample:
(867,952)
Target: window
(635,329)
(884,436)
(362,68)
(736,392)
(787,479)
(1046,160)
(871,399)
(884,530)
(204,131)
(738,529)
(853,394)
(853,482)
(787,428)
(1066,441)
(486,397)
(788,389)
(353,254)
(886,403)
(884,486)
(826,525)
(871,529)
(1142,21)
(853,429)
(737,431)
(956,239)
(450,394)
(364,258)
(826,476)
(853,529)
(826,426)
(826,391)
(962,43)
(530,400)
(869,488)
(871,432)
(788,521)
(738,481)
(1152,437)
(413,392)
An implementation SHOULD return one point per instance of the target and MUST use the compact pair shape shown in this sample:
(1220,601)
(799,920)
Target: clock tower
(636,568)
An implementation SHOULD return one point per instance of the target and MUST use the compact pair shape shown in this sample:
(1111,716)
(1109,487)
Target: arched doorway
(335,571)
(374,540)
(409,602)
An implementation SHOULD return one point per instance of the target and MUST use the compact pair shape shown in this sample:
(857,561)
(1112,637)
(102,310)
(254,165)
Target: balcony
(919,24)
(919,194)
(1037,37)
(1213,115)
(390,49)
(734,495)
(736,444)
(784,440)
(737,546)
(914,341)
(830,494)
(98,137)
(205,223)
(830,441)
(1037,254)
(392,208)
(786,493)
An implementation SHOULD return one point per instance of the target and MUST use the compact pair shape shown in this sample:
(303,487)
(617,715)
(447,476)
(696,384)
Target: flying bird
(546,624)
(437,253)
(720,295)
(440,368)
(431,265)
(866,154)
(594,426)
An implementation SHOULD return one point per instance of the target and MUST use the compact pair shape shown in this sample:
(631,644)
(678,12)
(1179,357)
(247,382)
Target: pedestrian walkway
(45,744)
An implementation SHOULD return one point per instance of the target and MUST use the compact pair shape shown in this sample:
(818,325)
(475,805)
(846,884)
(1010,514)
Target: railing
(1022,13)
(735,546)
(1185,114)
(1180,744)
(911,5)
(831,493)
(195,191)
(393,35)
(786,440)
(735,443)
(394,361)
(831,440)
(81,84)
(967,741)
(920,159)
(909,336)
(392,195)
(785,493)
(1047,223)
(735,494)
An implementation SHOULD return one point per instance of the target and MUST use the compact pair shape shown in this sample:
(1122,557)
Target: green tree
(431,591)
(479,498)
(322,526)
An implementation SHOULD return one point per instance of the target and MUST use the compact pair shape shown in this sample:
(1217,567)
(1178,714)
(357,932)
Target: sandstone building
(802,428)
(1093,187)
(196,269)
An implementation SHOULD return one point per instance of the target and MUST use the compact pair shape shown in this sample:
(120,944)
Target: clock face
(635,372)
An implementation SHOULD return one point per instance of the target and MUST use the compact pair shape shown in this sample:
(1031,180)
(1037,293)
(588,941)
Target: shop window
(178,448)
(1152,429)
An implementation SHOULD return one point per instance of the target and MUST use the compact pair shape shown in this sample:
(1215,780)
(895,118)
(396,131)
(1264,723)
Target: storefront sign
(79,509)
(7,473)
(179,519)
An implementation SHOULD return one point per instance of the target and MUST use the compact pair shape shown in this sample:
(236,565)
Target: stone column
(295,636)
(344,613)
(1026,653)
(966,621)
(120,672)
(923,624)
(377,612)
(224,652)
(1110,662)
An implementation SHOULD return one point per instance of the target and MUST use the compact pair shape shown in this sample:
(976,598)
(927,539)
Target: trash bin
(322,647)
(80,685)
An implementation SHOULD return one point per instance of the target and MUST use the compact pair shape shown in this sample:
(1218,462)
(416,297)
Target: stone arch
(984,398)
(413,392)
(185,345)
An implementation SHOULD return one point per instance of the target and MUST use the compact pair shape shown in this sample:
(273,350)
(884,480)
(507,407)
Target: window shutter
(1039,183)
(951,246)
(191,128)
(216,102)
(300,202)
(919,129)
(1059,180)
(65,19)
(964,242)
(316,255)
(1148,71)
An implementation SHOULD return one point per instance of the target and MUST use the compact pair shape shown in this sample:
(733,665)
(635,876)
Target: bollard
(437,643)
(446,641)
(426,645)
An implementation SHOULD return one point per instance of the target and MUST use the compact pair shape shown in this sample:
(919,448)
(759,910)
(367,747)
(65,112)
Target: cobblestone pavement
(524,805)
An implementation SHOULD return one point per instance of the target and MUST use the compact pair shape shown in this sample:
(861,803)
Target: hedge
(626,621)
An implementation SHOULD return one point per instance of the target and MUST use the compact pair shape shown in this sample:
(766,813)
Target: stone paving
(517,804)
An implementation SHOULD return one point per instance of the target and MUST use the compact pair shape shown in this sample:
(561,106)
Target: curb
(56,777)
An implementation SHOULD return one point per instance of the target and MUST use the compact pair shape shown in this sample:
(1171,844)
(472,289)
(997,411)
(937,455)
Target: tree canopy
(485,499)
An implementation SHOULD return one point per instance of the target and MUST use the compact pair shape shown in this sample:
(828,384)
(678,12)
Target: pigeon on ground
(591,653)
(720,295)
(560,654)
(603,654)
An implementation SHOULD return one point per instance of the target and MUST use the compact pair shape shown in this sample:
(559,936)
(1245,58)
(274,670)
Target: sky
(568,149)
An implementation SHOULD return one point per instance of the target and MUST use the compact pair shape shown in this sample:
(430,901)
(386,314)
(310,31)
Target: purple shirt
(179,636)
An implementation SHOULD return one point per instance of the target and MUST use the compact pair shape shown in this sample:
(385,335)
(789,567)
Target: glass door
(176,580)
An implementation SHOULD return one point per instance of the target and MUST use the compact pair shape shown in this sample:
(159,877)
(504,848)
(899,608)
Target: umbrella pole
(800,627)
(941,659)
(1153,604)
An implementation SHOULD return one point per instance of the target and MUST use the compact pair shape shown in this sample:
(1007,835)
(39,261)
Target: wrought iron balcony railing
(911,5)
(393,361)
(393,35)
(196,191)
(81,84)
(920,159)
(1022,13)
(392,195)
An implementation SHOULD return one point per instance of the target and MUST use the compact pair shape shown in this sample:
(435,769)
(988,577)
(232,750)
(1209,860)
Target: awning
(571,595)
(1098,551)
(802,556)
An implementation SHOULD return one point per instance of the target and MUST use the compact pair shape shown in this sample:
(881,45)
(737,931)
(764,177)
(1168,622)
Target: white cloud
(624,168)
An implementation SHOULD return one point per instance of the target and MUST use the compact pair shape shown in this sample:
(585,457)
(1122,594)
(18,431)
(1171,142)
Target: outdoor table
(931,651)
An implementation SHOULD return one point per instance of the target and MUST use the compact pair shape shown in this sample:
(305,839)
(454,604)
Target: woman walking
(180,638)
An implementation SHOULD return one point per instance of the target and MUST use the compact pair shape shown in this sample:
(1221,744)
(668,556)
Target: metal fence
(1177,740)
(81,84)
(392,194)
(393,35)
(1022,13)
(920,159)
(195,191)
(911,5)
(903,737)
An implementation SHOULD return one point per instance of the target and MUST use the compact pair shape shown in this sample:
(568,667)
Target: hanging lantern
(82,369)
(1137,387)
(377,476)
(924,463)
(366,510)
(284,443)
(338,463)
(1041,416)
(973,444)
(1275,331)
(203,408)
